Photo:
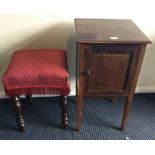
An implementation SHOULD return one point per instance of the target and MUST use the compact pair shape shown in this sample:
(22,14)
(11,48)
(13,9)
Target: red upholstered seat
(37,71)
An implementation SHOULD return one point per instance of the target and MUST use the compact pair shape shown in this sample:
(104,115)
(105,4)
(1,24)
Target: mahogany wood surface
(105,31)
(109,56)
(19,113)
(64,111)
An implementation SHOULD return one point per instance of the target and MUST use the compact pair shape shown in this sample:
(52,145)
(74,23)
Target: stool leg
(64,111)
(29,98)
(19,114)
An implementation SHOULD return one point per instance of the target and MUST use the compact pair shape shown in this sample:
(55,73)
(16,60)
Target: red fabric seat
(37,71)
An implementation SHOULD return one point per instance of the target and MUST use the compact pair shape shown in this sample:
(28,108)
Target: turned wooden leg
(29,98)
(80,111)
(126,111)
(18,110)
(64,111)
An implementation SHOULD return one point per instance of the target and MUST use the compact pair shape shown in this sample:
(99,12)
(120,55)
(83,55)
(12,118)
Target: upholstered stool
(37,71)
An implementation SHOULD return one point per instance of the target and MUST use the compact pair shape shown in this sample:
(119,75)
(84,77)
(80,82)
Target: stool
(37,71)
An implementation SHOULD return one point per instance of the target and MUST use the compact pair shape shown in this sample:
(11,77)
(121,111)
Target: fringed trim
(55,90)
(10,81)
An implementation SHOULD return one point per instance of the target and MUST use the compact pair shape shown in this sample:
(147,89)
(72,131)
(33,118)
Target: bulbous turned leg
(19,114)
(64,111)
(29,98)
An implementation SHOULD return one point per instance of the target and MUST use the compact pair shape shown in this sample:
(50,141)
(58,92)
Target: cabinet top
(108,31)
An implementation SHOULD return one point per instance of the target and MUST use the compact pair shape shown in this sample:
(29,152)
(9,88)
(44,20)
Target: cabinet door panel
(108,68)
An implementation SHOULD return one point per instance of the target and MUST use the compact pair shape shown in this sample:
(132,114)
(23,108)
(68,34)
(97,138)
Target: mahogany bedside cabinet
(109,55)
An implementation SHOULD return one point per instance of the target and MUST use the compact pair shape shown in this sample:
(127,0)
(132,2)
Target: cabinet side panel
(77,72)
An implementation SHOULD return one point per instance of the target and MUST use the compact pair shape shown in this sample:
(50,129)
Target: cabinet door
(109,68)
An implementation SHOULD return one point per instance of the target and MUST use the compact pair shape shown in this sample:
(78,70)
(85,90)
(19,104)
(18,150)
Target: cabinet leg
(29,98)
(64,111)
(126,111)
(80,111)
(19,114)
(112,99)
